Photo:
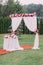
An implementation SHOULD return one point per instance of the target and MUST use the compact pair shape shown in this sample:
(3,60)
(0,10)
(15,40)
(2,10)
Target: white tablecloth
(11,44)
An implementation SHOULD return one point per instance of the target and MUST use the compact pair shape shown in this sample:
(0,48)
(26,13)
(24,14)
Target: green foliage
(18,8)
(41,26)
(10,8)
(4,24)
(25,30)
(10,2)
(0,10)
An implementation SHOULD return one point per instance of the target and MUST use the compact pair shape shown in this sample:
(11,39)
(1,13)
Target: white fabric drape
(16,22)
(11,44)
(36,42)
(31,23)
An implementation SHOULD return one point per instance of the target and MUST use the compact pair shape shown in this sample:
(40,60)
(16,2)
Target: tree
(11,7)
(0,10)
(10,2)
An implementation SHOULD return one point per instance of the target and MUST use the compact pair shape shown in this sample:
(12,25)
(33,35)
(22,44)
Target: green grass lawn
(25,57)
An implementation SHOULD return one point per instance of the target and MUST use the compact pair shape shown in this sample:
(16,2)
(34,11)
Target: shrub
(5,22)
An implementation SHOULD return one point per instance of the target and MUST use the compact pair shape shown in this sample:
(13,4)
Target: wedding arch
(30,21)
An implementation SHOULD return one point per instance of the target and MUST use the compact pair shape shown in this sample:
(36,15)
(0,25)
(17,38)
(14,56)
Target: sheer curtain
(15,22)
(31,23)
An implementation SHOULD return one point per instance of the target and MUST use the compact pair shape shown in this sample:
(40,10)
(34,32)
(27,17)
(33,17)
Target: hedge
(41,27)
(5,22)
